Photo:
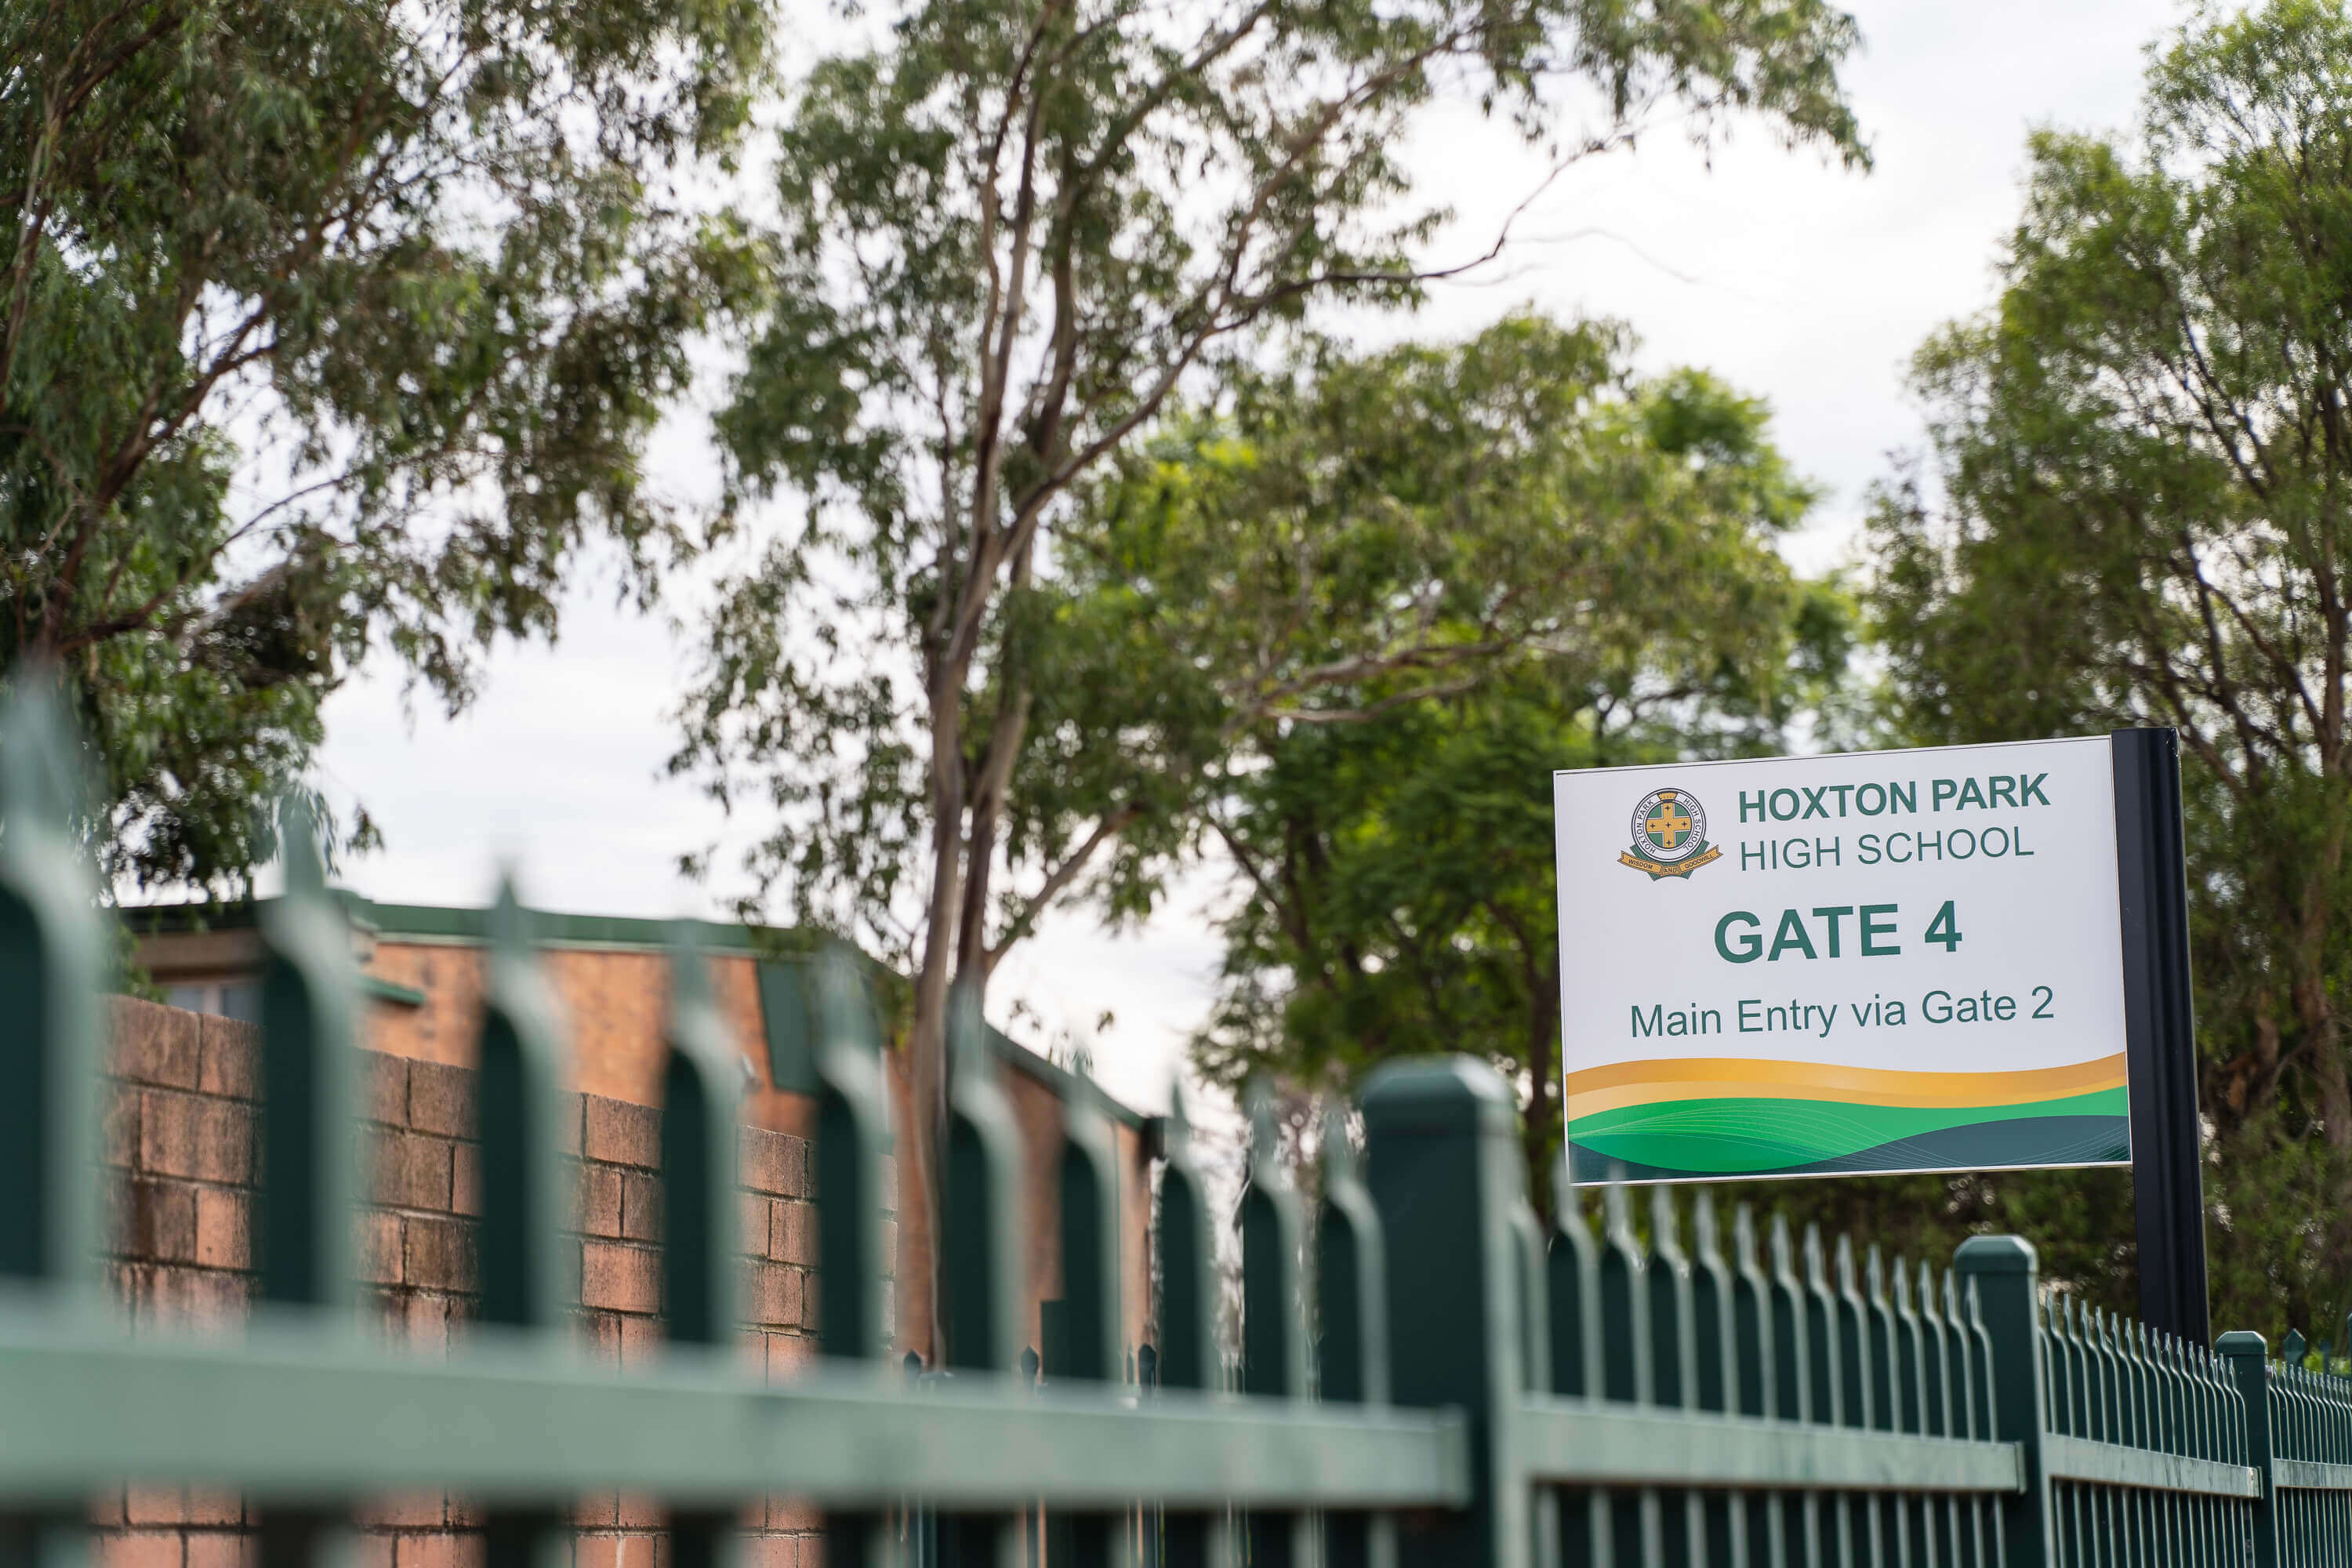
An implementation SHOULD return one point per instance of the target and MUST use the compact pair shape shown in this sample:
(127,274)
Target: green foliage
(2138,515)
(1606,549)
(325,324)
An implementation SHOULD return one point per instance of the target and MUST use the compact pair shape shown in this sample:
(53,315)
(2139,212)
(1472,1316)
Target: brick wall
(179,1138)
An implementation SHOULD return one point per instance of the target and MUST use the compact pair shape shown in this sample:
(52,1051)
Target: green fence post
(2006,1276)
(1443,1166)
(2249,1358)
(52,961)
(51,1038)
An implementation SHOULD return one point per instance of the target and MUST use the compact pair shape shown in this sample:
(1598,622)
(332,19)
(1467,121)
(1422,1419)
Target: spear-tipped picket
(1352,1352)
(1625,1307)
(980,1299)
(1189,1354)
(845,1061)
(1273,1347)
(1089,1350)
(1633,1526)
(848,1162)
(52,959)
(1753,1388)
(526,1269)
(702,1093)
(525,1109)
(1822,1349)
(310,1151)
(1573,1301)
(983,1294)
(1673,1352)
(1715,1371)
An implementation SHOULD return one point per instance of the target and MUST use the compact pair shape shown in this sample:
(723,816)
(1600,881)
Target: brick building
(423,968)
(179,1147)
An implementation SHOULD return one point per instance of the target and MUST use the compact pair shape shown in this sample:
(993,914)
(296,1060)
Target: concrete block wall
(179,1141)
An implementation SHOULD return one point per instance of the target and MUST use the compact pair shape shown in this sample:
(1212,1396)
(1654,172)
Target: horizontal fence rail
(282,1418)
(1422,1374)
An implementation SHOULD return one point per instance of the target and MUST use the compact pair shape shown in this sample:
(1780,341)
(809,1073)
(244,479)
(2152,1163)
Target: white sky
(1792,278)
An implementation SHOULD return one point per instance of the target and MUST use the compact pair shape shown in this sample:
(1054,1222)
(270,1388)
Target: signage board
(1877,962)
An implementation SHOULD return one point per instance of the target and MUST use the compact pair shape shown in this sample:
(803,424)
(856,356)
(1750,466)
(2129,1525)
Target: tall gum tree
(2140,512)
(1010,233)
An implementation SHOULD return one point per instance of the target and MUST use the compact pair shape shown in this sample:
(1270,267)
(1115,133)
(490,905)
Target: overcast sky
(1797,280)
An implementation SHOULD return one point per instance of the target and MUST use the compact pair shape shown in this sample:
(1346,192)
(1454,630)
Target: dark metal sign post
(2160,1033)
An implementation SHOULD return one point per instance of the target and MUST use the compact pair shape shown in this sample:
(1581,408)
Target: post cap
(1996,1254)
(2243,1343)
(1434,1094)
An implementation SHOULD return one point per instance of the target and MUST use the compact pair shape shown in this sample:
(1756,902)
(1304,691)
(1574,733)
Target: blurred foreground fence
(1467,1390)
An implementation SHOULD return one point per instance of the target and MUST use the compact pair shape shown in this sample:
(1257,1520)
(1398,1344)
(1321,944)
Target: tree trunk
(1544,1108)
(926,1032)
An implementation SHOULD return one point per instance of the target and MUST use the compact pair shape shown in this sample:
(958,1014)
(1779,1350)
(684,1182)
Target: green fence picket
(1571,1297)
(1089,1352)
(1352,1349)
(848,1175)
(1273,1339)
(1755,1383)
(1629,1361)
(702,1094)
(1191,1358)
(1715,1371)
(307,1205)
(1674,1354)
(527,1265)
(980,1292)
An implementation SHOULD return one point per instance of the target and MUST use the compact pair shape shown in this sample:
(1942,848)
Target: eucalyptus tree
(1393,873)
(1011,231)
(2140,512)
(325,324)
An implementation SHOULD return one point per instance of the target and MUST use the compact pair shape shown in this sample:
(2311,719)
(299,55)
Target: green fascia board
(389,991)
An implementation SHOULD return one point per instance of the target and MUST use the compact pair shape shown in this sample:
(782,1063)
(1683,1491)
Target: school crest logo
(1669,835)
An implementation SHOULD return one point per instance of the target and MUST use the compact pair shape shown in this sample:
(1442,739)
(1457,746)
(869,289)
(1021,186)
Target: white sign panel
(1890,961)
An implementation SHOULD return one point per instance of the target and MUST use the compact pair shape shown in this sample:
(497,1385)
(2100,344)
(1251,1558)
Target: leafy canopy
(1395,886)
(325,323)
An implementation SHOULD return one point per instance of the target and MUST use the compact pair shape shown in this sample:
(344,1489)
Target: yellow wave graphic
(1595,1089)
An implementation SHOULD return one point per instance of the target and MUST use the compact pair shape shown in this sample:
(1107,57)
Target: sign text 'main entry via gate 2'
(1904,961)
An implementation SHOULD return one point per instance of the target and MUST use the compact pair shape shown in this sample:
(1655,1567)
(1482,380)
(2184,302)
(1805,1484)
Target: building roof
(782,954)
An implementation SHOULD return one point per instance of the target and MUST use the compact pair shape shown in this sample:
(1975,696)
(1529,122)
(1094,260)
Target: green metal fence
(1476,1393)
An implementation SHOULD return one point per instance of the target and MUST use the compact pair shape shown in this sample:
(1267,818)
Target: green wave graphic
(1725,1137)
